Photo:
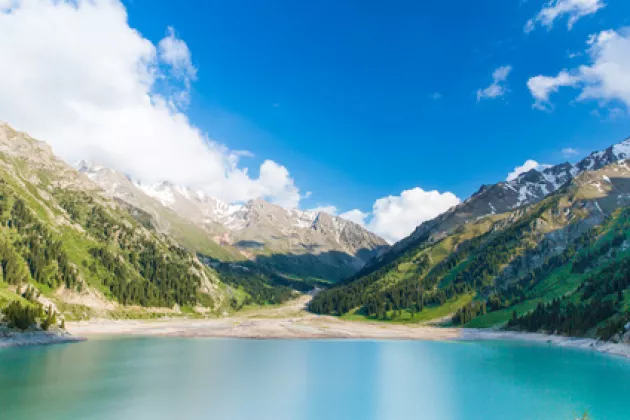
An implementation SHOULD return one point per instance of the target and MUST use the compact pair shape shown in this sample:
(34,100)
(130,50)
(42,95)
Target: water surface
(178,378)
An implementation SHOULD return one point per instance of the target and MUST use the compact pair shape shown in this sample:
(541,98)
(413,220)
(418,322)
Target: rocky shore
(618,349)
(10,338)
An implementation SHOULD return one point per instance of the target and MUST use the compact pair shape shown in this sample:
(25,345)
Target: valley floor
(287,321)
(292,321)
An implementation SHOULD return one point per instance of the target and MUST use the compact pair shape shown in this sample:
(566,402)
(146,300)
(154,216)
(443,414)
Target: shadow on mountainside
(329,266)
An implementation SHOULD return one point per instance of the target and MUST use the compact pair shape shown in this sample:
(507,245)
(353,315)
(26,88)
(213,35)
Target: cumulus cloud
(394,217)
(174,52)
(606,79)
(356,216)
(543,86)
(76,75)
(330,209)
(556,9)
(498,87)
(525,167)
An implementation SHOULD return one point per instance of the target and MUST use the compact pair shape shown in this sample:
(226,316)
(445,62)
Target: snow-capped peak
(622,150)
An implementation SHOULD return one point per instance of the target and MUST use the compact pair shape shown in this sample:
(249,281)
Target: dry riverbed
(286,321)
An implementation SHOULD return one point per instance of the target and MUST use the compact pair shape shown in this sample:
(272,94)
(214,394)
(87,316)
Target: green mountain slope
(83,252)
(484,269)
(286,242)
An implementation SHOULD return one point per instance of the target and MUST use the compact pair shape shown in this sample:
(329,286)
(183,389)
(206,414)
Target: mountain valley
(545,251)
(553,241)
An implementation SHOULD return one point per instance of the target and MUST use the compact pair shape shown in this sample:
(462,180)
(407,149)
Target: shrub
(21,316)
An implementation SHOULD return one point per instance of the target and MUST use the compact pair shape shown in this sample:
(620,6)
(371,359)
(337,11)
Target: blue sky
(342,92)
(365,106)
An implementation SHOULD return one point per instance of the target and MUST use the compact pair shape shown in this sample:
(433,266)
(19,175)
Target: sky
(385,113)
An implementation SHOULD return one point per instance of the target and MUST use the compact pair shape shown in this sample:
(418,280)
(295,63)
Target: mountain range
(546,251)
(296,243)
(92,241)
(535,253)
(527,188)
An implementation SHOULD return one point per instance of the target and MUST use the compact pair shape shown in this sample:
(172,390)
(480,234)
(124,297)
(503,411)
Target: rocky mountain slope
(295,243)
(499,255)
(85,253)
(527,188)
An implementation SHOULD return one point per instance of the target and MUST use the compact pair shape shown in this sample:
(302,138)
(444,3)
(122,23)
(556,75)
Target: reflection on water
(166,378)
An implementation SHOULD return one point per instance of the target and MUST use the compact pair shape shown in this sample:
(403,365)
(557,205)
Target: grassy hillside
(560,252)
(82,252)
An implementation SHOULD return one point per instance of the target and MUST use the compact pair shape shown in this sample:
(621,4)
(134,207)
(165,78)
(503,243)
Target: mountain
(548,241)
(528,188)
(85,253)
(296,243)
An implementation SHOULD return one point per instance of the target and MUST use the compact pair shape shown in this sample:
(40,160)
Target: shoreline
(313,327)
(291,321)
(326,328)
(10,339)
(606,347)
(287,321)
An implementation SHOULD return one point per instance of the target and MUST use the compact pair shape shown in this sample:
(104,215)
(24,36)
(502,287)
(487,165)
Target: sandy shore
(291,321)
(322,328)
(263,328)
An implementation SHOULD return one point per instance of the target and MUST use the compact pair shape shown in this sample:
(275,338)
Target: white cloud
(5,5)
(556,9)
(330,209)
(395,217)
(356,216)
(175,52)
(569,152)
(77,76)
(436,96)
(542,86)
(525,167)
(498,87)
(606,79)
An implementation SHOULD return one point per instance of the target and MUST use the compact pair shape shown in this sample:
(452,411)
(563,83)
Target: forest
(133,265)
(596,259)
(135,268)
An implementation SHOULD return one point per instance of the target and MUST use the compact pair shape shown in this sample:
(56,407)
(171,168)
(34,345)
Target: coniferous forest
(493,274)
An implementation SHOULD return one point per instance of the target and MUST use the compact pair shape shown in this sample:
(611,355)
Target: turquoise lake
(178,378)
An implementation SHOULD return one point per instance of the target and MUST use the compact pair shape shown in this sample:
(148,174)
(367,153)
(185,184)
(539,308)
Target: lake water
(220,379)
